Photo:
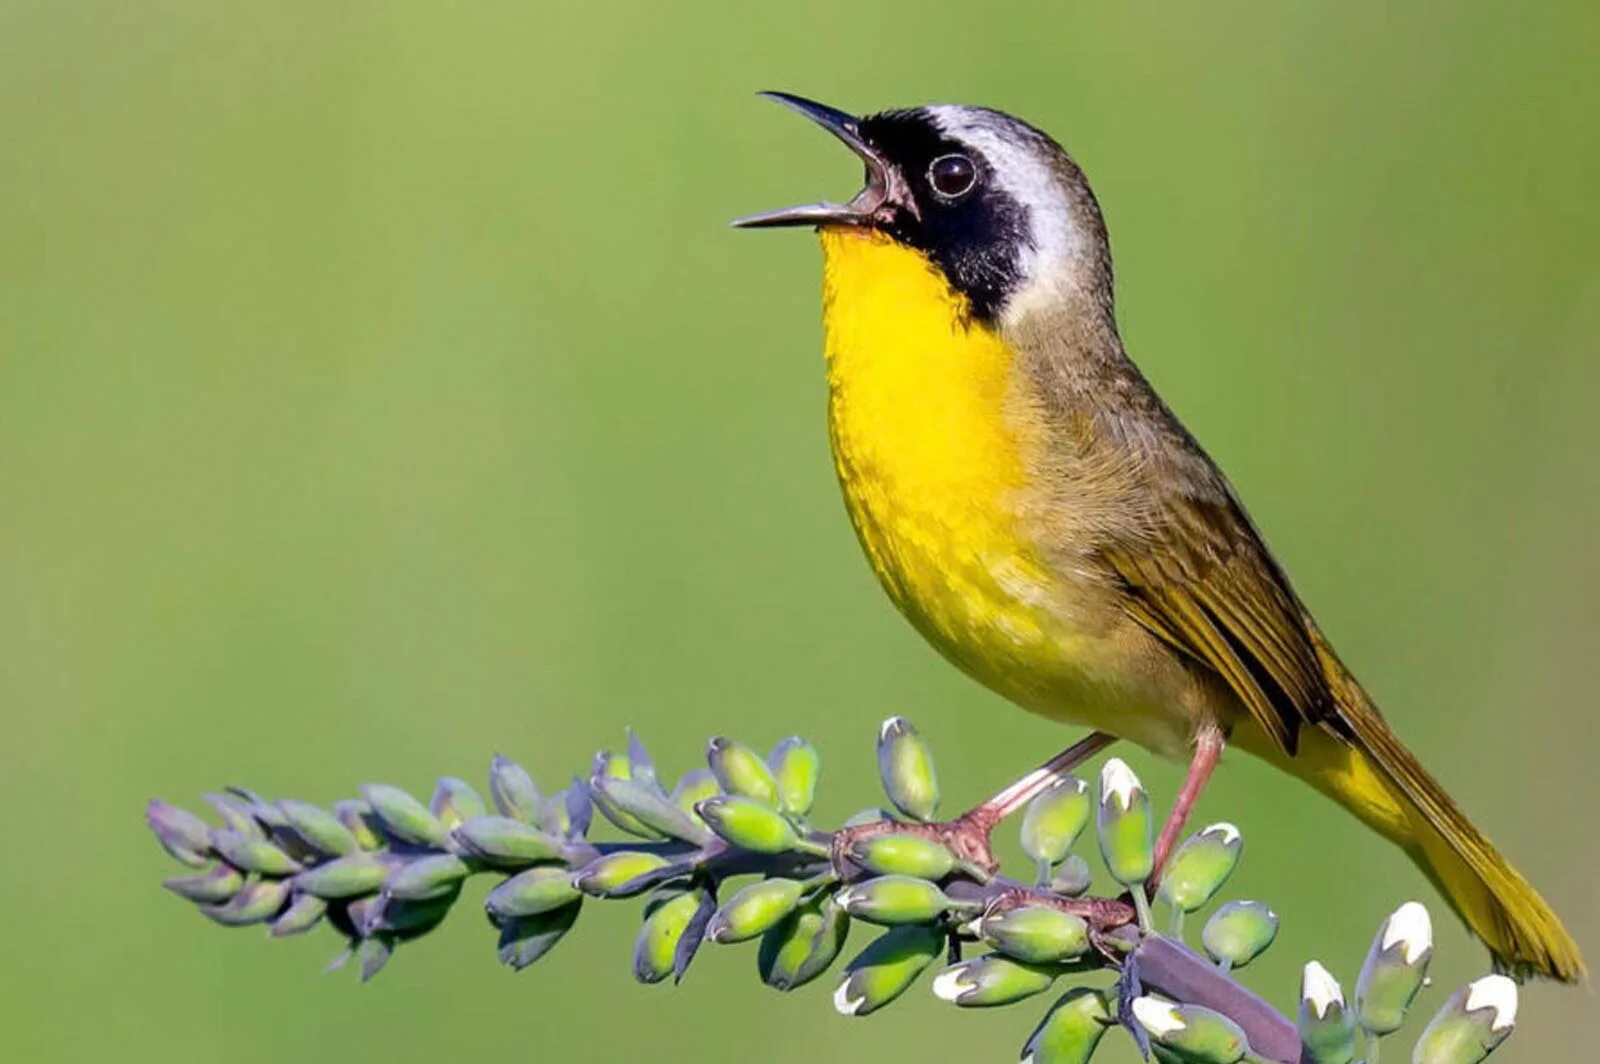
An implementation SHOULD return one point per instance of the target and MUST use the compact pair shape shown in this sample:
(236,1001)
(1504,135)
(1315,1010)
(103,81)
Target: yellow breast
(930,464)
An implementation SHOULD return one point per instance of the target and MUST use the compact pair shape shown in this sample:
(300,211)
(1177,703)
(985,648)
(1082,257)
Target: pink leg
(1035,783)
(1208,745)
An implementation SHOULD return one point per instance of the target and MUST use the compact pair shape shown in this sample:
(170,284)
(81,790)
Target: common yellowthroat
(1045,521)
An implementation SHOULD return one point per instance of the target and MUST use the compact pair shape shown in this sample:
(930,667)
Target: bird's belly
(934,462)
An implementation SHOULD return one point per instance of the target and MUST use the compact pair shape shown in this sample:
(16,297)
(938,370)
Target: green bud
(991,980)
(748,824)
(1394,970)
(882,972)
(320,829)
(906,766)
(506,841)
(646,805)
(426,877)
(404,817)
(1054,821)
(526,939)
(1327,1028)
(1072,1031)
(236,815)
(259,901)
(655,951)
(622,874)
(741,771)
(1471,1025)
(455,801)
(566,815)
(1239,932)
(512,790)
(693,788)
(754,910)
(303,913)
(893,900)
(412,918)
(1073,877)
(208,888)
(1198,1035)
(795,765)
(903,854)
(538,890)
(372,954)
(361,822)
(252,854)
(346,877)
(1036,933)
(1125,825)
(614,767)
(183,835)
(1195,873)
(802,947)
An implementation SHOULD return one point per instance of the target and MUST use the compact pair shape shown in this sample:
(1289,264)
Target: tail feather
(1500,906)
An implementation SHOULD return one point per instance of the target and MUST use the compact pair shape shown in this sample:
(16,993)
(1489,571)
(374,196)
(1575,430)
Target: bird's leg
(1208,746)
(967,835)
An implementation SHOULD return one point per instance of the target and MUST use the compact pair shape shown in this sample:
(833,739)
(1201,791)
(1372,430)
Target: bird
(1041,516)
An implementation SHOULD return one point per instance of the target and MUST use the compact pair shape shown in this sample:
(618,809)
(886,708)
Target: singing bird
(1040,515)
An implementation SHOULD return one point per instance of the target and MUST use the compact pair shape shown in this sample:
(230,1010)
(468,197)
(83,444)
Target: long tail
(1385,785)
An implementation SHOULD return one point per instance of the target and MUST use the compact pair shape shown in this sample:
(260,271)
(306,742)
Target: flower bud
(693,788)
(1196,1034)
(1036,933)
(1072,1031)
(1471,1025)
(622,874)
(404,817)
(754,910)
(903,854)
(1194,874)
(740,770)
(506,841)
(1054,821)
(236,815)
(422,878)
(512,791)
(1239,932)
(795,766)
(1327,1028)
(455,800)
(183,835)
(257,902)
(318,828)
(1124,824)
(538,890)
(1073,877)
(655,951)
(409,919)
(906,766)
(892,900)
(1395,968)
(303,913)
(361,822)
(610,767)
(372,954)
(526,939)
(802,947)
(253,854)
(646,805)
(748,824)
(882,972)
(346,877)
(208,888)
(992,980)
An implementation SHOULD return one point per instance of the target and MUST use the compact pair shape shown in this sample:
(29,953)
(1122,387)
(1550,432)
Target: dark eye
(952,175)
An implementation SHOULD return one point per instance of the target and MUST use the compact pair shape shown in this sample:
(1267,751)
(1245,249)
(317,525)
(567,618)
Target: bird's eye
(952,175)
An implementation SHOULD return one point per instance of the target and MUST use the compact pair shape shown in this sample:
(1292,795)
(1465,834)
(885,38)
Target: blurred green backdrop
(380,388)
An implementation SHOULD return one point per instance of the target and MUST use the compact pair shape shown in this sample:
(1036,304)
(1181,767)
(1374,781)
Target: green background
(380,388)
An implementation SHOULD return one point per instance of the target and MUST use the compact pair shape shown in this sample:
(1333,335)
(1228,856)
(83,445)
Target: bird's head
(996,205)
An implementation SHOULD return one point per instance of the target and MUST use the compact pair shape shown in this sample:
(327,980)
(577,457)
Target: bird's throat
(929,451)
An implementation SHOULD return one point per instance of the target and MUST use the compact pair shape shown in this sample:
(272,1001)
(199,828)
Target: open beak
(870,203)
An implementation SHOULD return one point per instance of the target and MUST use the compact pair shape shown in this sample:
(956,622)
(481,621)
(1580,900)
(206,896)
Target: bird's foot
(967,837)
